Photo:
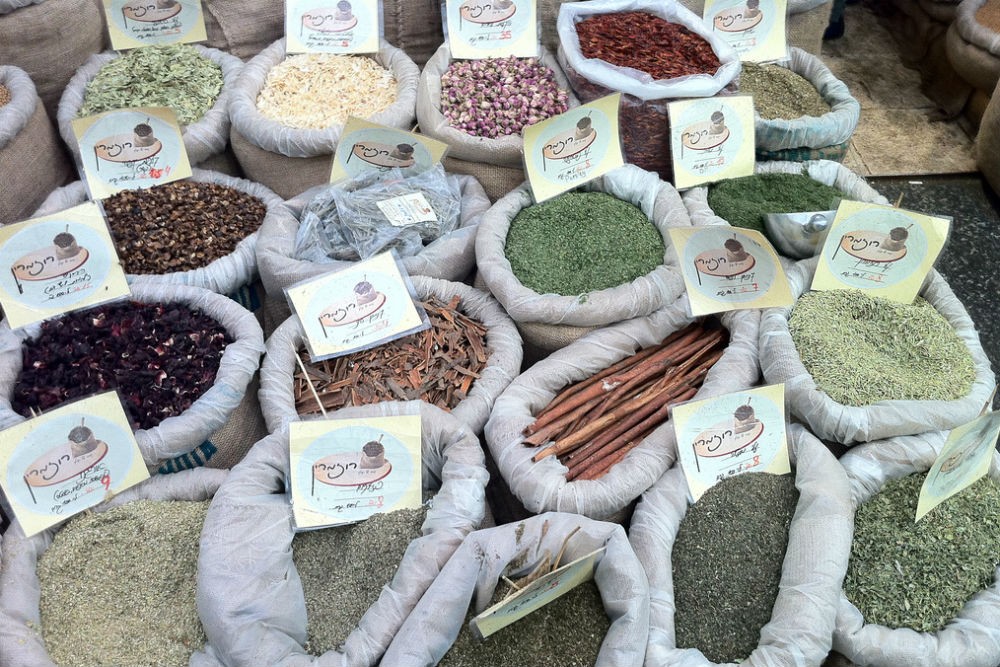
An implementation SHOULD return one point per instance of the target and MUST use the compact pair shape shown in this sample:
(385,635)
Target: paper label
(366,304)
(332,26)
(67,460)
(492,28)
(726,268)
(130,149)
(573,148)
(536,595)
(711,139)
(731,434)
(137,23)
(366,147)
(406,210)
(882,250)
(755,28)
(964,459)
(58,263)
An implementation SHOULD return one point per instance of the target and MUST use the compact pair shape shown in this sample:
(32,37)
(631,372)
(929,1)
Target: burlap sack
(253,605)
(414,26)
(973,49)
(496,180)
(844,424)
(202,139)
(179,434)
(805,22)
(21,640)
(987,145)
(944,11)
(289,160)
(32,160)
(972,639)
(243,27)
(812,573)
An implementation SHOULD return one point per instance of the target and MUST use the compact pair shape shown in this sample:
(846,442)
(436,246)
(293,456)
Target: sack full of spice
(115,585)
(288,112)
(192,80)
(892,369)
(805,21)
(973,44)
(586,430)
(32,160)
(751,573)
(243,27)
(602,622)
(271,596)
(924,593)
(180,358)
(987,146)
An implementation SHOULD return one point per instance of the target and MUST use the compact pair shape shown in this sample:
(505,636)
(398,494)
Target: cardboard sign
(332,26)
(755,28)
(492,28)
(711,139)
(137,23)
(366,147)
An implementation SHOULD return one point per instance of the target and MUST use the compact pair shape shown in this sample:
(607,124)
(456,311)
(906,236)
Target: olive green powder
(919,575)
(743,202)
(175,76)
(727,562)
(118,587)
(778,92)
(580,242)
(861,349)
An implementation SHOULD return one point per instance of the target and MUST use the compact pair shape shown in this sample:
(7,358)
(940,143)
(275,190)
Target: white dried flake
(316,90)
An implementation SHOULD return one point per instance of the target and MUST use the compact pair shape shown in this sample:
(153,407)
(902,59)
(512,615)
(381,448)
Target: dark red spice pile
(160,357)
(647,43)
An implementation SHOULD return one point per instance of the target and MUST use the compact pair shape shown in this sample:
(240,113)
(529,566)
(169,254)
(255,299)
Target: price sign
(711,139)
(332,26)
(492,28)
(137,23)
(366,147)
(755,28)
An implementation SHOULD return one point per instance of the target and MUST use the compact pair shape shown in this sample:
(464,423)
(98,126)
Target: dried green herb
(904,574)
(862,349)
(778,92)
(175,76)
(743,202)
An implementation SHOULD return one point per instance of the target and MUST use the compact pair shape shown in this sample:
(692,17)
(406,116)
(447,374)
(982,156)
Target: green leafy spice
(778,92)
(919,575)
(580,242)
(861,349)
(175,76)
(742,202)
(727,562)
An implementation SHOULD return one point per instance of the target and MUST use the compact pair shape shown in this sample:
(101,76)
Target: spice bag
(182,433)
(973,48)
(805,22)
(829,420)
(249,592)
(819,545)
(277,398)
(31,157)
(243,27)
(970,640)
(21,640)
(987,145)
(202,139)
(290,160)
(542,486)
(472,574)
(415,25)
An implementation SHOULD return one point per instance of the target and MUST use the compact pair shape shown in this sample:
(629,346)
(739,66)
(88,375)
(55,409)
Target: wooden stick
(546,433)
(312,387)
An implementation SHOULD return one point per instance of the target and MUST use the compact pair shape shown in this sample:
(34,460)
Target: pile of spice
(862,349)
(918,575)
(160,357)
(579,242)
(437,365)
(118,587)
(344,568)
(594,423)
(4,95)
(743,202)
(180,226)
(316,90)
(497,97)
(727,561)
(175,76)
(778,92)
(989,15)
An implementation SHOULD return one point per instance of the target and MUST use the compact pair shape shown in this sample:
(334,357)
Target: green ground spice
(343,570)
(742,202)
(579,242)
(118,587)
(175,76)
(778,92)
(861,349)
(919,575)
(727,562)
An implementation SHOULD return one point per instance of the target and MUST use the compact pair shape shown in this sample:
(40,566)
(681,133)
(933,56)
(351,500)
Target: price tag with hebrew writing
(711,139)
(366,147)
(137,23)
(492,28)
(332,26)
(755,28)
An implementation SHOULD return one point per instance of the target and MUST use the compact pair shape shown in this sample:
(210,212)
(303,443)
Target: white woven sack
(972,30)
(660,287)
(474,570)
(972,639)
(21,642)
(793,6)
(7,6)
(204,138)
(179,434)
(249,593)
(812,573)
(277,400)
(542,486)
(829,420)
(14,115)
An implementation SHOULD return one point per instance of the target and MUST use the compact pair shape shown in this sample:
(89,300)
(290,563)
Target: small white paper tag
(406,210)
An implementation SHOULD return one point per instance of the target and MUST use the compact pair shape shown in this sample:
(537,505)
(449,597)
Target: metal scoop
(798,235)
